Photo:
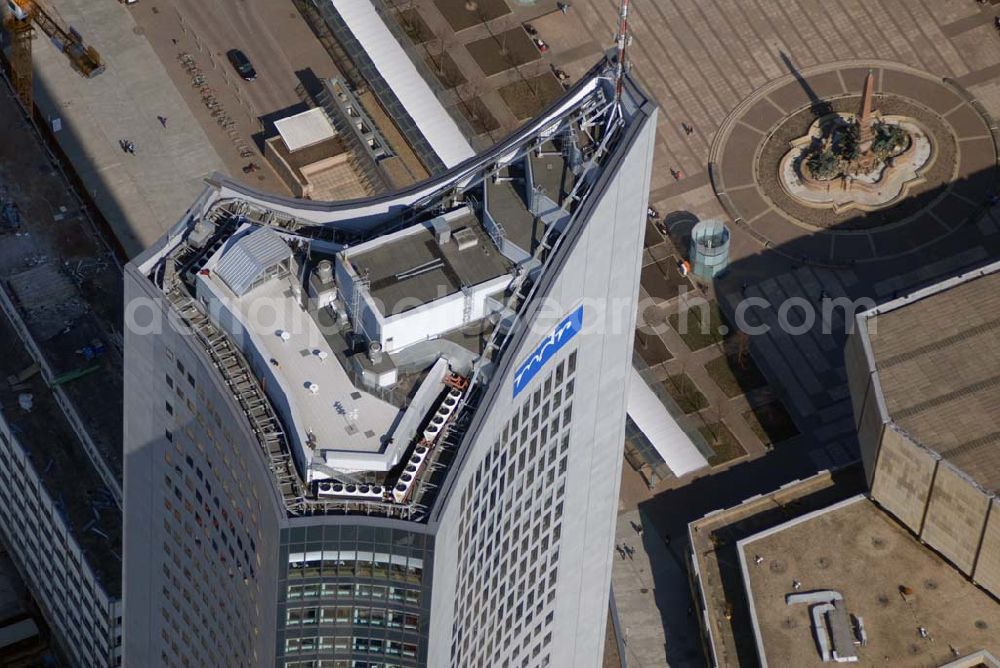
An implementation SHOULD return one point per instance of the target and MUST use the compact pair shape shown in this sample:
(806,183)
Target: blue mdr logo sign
(550,345)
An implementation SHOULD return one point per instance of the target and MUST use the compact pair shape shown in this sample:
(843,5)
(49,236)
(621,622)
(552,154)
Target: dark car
(241,64)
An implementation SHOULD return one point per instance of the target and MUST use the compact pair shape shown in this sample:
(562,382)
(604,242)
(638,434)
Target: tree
(823,164)
(889,139)
(846,142)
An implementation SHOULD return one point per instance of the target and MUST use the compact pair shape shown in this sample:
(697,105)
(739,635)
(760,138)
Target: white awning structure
(251,257)
(401,76)
(667,437)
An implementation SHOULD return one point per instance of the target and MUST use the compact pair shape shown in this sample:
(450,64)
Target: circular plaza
(854,162)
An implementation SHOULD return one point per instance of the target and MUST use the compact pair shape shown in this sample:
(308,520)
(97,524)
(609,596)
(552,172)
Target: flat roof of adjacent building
(895,584)
(404,81)
(411,270)
(938,362)
(714,539)
(305,129)
(61,464)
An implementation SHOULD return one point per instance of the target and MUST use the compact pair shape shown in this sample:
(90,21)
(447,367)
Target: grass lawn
(478,115)
(723,442)
(651,348)
(685,393)
(460,18)
(771,422)
(698,331)
(445,69)
(735,376)
(662,279)
(414,26)
(526,99)
(498,53)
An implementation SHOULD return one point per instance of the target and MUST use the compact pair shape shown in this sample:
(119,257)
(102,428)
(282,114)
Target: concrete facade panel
(601,272)
(902,481)
(858,372)
(987,573)
(903,478)
(179,417)
(955,517)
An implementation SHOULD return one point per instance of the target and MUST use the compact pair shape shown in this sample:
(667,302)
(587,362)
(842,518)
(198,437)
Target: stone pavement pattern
(701,59)
(140,195)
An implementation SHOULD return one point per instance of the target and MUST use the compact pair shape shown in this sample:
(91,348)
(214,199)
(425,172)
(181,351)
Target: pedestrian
(162,120)
(563,6)
(130,147)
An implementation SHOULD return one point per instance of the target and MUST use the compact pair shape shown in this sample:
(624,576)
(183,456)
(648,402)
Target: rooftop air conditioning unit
(465,238)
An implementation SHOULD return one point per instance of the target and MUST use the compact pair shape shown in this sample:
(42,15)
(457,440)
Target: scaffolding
(21,34)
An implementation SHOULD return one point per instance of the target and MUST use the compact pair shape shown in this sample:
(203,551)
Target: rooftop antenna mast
(622,40)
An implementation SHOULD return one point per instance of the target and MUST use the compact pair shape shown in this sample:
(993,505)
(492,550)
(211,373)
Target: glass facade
(353,596)
(386,96)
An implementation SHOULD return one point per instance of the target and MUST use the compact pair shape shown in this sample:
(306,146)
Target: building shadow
(968,242)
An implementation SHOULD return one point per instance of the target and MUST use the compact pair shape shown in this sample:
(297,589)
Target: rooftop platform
(938,362)
(286,342)
(305,129)
(423,277)
(886,577)
(507,199)
(62,465)
(551,173)
(412,270)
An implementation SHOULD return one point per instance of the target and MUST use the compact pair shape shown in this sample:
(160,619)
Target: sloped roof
(249,257)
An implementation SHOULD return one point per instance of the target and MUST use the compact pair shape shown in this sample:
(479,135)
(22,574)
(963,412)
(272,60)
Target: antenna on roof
(622,40)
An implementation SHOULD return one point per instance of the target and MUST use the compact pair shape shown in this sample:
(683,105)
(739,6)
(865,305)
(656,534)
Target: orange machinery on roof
(22,16)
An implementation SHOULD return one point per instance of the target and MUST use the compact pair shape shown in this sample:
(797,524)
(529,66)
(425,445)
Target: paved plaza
(725,74)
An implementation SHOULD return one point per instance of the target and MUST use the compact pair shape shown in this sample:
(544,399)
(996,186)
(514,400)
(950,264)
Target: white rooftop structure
(251,258)
(305,129)
(399,73)
(667,437)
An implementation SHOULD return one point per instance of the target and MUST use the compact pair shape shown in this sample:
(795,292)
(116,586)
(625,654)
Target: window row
(343,590)
(350,644)
(393,619)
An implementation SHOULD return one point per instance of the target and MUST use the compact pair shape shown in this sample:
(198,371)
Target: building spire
(622,41)
(865,113)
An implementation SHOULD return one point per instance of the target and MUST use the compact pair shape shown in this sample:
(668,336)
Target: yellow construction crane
(22,16)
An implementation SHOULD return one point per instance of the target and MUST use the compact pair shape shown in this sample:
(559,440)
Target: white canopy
(667,437)
(401,76)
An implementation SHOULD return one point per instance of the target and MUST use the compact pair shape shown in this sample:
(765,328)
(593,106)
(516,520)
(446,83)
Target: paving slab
(140,195)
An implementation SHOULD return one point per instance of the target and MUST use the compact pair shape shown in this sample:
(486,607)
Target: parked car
(241,64)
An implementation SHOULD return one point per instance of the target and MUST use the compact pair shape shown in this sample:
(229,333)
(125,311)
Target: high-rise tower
(388,432)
